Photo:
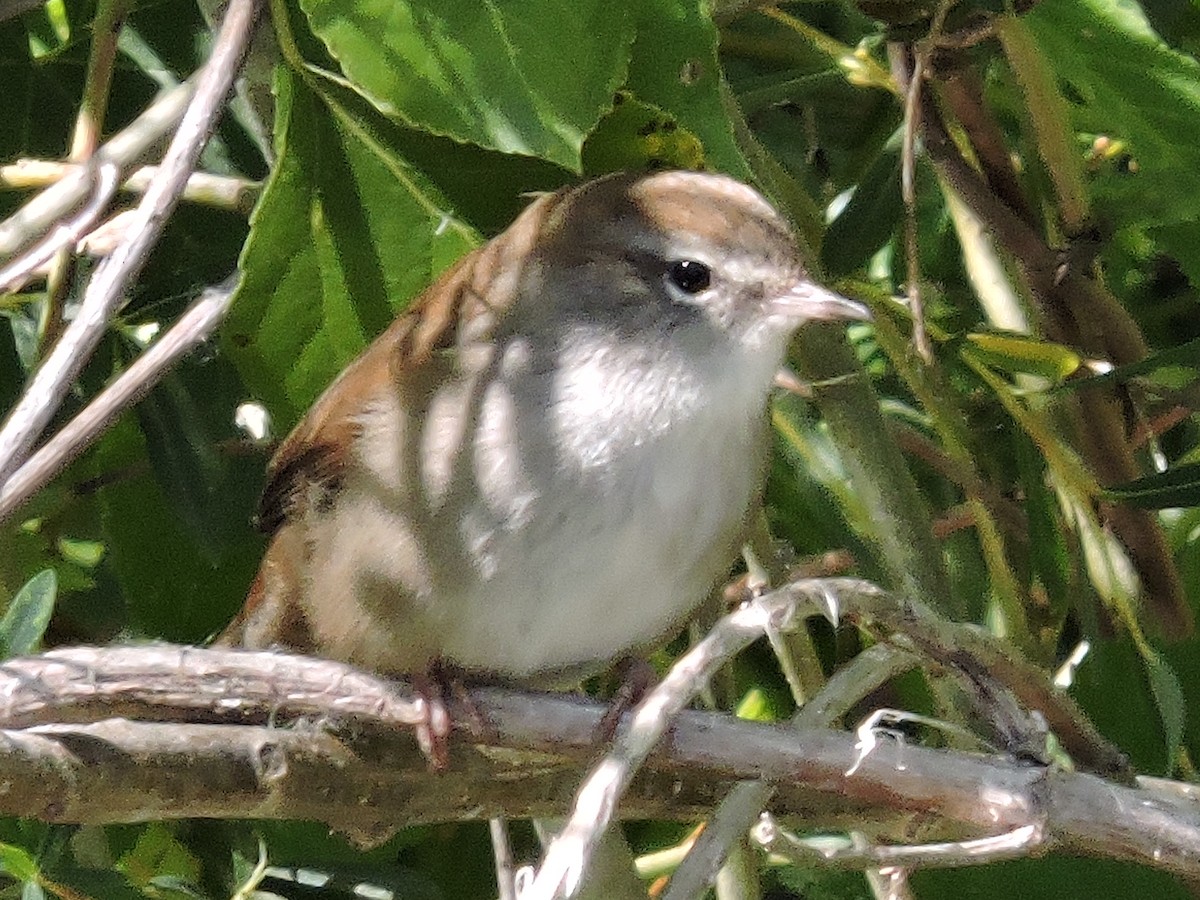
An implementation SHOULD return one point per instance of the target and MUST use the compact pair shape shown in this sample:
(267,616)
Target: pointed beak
(809,302)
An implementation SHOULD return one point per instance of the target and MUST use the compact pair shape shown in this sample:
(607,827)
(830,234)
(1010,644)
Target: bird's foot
(635,678)
(442,687)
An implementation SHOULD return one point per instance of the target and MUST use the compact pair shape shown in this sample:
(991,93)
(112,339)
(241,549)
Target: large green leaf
(674,66)
(1132,87)
(484,72)
(172,590)
(346,232)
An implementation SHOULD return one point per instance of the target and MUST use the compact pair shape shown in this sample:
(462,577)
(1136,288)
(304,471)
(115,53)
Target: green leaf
(489,73)
(1168,698)
(637,135)
(1016,354)
(185,460)
(157,855)
(1184,357)
(171,589)
(755,706)
(1176,487)
(345,233)
(1131,87)
(868,220)
(16,862)
(674,66)
(28,614)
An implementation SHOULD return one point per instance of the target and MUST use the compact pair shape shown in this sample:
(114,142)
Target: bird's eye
(689,276)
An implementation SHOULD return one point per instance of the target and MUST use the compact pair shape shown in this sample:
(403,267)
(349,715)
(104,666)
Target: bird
(549,459)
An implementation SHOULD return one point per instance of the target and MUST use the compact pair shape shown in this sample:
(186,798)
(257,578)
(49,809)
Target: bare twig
(1013,844)
(503,854)
(105,292)
(220,191)
(595,803)
(908,191)
(122,150)
(66,233)
(912,82)
(193,328)
(110,17)
(742,806)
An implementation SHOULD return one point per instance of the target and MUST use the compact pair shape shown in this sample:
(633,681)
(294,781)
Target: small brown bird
(546,463)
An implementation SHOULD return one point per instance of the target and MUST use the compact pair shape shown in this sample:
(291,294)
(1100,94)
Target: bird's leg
(433,735)
(635,677)
(443,686)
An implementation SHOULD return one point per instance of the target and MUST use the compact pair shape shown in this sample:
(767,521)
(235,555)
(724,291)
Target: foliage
(1051,441)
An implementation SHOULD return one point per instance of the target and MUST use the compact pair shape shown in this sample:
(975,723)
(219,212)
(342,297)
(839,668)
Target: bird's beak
(810,302)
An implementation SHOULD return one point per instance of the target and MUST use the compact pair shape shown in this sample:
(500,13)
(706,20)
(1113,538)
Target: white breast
(650,478)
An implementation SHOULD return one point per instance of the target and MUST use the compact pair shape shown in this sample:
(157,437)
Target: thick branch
(369,780)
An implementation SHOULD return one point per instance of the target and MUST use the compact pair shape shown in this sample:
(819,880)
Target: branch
(366,776)
(64,695)
(227,192)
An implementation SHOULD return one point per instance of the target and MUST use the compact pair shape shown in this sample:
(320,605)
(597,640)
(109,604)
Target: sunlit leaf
(483,72)
(1016,354)
(28,614)
(346,232)
(18,863)
(674,66)
(1129,86)
(638,135)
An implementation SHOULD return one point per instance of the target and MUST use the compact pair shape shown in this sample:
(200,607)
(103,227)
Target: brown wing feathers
(311,460)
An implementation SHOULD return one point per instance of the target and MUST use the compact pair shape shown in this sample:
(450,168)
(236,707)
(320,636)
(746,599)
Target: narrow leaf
(1016,354)
(1177,487)
(15,861)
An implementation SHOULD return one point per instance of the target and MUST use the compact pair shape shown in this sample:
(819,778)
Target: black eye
(689,276)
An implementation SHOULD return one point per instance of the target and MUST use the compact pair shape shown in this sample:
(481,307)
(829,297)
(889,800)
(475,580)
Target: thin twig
(922,51)
(221,191)
(741,807)
(110,17)
(124,149)
(1012,844)
(503,854)
(562,869)
(194,327)
(104,178)
(106,289)
(912,277)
